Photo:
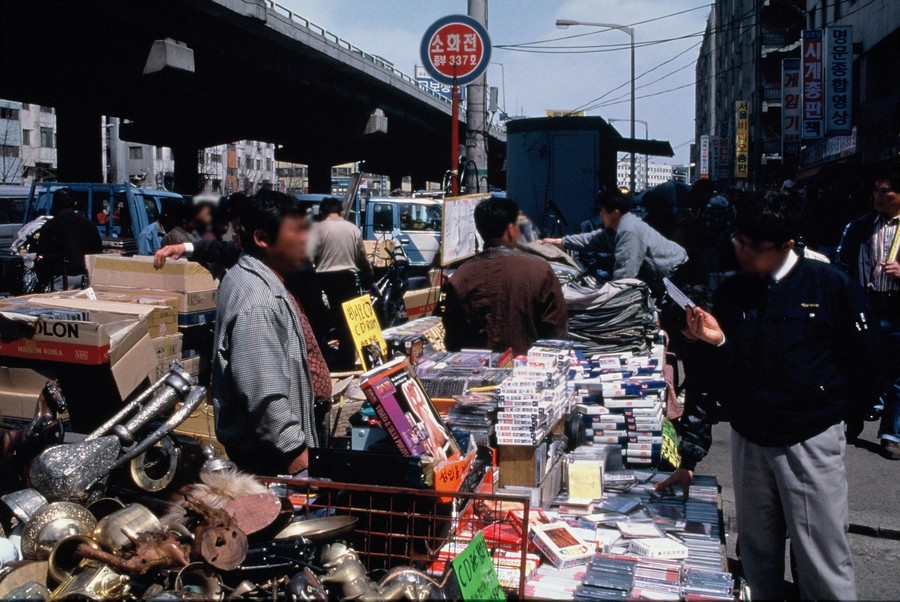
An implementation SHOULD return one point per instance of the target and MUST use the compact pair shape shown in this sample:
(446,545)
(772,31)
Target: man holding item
(870,253)
(795,347)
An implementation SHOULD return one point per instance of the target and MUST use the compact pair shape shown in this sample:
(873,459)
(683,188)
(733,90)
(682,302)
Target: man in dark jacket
(503,298)
(63,243)
(795,346)
(639,250)
(869,254)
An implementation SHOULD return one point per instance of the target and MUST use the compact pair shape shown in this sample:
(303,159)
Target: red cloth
(318,369)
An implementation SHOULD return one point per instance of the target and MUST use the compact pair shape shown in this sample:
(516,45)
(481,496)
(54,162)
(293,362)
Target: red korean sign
(455,47)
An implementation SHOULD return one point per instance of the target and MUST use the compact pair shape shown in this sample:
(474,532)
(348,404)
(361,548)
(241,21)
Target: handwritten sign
(475,572)
(365,328)
(449,475)
(585,480)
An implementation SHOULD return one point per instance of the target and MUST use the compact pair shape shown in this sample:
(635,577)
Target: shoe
(891,449)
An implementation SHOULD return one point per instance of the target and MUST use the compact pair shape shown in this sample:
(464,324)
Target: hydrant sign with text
(364,327)
(455,46)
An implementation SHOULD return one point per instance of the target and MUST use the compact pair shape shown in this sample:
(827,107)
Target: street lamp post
(646,157)
(565,23)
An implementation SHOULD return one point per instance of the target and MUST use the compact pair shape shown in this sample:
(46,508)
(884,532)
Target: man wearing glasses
(794,350)
(869,254)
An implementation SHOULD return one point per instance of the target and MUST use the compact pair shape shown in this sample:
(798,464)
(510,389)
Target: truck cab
(120,211)
(413,222)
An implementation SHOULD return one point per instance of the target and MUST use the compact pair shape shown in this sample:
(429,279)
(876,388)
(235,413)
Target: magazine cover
(406,412)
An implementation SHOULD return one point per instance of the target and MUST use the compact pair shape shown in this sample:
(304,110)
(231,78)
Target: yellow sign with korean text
(742,139)
(365,329)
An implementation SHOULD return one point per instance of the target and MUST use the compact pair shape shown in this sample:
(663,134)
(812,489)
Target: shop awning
(658,148)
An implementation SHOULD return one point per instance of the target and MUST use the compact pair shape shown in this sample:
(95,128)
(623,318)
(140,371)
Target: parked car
(13,200)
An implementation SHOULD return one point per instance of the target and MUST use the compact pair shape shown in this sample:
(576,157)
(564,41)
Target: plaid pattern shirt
(262,390)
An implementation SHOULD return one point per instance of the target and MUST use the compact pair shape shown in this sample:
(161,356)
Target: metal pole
(631,33)
(476,115)
(454,141)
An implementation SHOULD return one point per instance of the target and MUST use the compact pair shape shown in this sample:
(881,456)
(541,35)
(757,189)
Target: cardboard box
(179,276)
(421,303)
(160,320)
(168,347)
(198,307)
(201,425)
(19,392)
(119,339)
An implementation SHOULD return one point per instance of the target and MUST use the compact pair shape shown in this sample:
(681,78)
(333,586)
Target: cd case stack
(534,397)
(474,414)
(622,402)
(608,578)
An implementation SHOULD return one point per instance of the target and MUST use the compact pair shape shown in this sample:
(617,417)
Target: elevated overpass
(261,72)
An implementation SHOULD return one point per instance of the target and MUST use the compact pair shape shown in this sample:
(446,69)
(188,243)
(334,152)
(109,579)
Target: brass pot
(53,523)
(116,531)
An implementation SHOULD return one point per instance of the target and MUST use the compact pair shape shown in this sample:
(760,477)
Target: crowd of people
(795,349)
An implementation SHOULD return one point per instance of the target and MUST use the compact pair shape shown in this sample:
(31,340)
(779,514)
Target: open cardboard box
(19,392)
(116,334)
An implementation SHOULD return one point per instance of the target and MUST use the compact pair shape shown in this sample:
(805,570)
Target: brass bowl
(63,560)
(53,523)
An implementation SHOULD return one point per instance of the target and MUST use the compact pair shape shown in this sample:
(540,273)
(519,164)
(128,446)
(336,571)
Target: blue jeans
(890,420)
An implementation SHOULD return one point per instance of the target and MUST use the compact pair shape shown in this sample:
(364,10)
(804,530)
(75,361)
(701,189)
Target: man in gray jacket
(263,389)
(640,251)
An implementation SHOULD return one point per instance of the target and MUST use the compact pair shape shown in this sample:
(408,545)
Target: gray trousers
(800,490)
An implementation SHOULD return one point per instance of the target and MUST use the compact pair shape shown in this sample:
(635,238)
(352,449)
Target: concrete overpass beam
(187,168)
(319,178)
(79,145)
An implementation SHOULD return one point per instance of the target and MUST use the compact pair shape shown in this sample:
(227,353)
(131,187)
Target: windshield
(414,216)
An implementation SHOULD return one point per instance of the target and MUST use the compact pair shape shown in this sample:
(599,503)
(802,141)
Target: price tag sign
(366,330)
(670,453)
(449,475)
(475,572)
(456,46)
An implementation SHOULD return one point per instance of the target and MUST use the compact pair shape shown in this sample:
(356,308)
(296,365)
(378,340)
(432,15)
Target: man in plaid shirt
(268,370)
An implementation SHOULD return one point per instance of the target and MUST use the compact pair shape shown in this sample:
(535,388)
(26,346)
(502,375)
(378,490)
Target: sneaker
(891,449)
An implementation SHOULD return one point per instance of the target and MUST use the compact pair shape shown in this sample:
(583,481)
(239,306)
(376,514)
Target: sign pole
(454,141)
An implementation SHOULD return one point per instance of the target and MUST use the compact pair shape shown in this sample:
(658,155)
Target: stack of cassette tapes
(622,402)
(608,578)
(535,396)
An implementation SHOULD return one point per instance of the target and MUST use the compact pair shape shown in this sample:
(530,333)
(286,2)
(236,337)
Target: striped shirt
(876,251)
(262,390)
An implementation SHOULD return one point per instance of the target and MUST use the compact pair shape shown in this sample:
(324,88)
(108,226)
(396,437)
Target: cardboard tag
(475,572)
(365,328)
(449,475)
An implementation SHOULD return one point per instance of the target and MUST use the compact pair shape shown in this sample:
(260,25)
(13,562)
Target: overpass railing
(376,60)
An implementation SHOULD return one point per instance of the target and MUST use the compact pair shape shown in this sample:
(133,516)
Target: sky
(535,82)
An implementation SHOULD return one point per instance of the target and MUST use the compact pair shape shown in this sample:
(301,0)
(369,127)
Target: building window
(258,164)
(248,163)
(215,157)
(268,165)
(232,171)
(26,137)
(7,150)
(159,154)
(47,137)
(135,153)
(46,109)
(9,113)
(26,106)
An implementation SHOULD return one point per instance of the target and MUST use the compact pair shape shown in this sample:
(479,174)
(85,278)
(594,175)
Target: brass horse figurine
(19,447)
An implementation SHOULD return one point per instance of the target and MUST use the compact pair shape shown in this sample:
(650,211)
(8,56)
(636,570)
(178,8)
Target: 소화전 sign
(457,47)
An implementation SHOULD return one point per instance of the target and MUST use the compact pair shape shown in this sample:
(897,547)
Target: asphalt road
(874,510)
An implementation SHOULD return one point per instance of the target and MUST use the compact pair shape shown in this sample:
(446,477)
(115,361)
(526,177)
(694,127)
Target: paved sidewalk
(874,510)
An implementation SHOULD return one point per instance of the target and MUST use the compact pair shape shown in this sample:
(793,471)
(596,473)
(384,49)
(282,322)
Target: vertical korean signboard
(704,157)
(838,79)
(813,82)
(742,139)
(790,111)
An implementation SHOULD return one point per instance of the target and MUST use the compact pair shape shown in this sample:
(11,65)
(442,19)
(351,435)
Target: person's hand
(704,326)
(680,478)
(556,242)
(301,462)
(891,268)
(173,251)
